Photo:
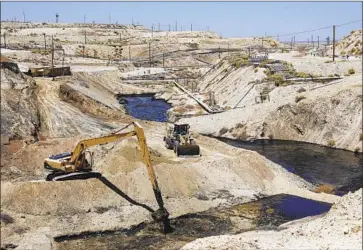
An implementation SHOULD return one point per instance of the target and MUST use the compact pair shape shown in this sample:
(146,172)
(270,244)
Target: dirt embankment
(328,114)
(340,228)
(19,116)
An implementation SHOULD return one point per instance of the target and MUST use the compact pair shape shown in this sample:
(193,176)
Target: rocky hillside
(350,45)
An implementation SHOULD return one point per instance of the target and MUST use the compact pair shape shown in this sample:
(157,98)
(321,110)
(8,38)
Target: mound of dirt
(350,44)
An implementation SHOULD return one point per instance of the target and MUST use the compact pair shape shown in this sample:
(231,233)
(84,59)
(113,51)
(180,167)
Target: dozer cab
(180,140)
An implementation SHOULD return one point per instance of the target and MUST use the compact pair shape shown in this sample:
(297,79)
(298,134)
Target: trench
(317,164)
(265,214)
(145,107)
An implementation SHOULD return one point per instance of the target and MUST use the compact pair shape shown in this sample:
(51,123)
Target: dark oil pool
(315,163)
(145,107)
(265,213)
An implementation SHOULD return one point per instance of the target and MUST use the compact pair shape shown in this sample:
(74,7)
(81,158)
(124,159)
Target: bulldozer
(179,139)
(78,165)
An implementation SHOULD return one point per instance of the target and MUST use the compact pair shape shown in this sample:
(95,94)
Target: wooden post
(333,43)
(52,58)
(45,42)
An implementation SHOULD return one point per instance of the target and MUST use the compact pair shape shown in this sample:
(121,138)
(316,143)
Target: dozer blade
(188,149)
(72,176)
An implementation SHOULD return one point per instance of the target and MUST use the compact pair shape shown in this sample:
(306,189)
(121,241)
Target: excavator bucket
(187,149)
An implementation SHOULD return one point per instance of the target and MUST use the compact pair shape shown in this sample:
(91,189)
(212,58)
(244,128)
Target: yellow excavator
(75,165)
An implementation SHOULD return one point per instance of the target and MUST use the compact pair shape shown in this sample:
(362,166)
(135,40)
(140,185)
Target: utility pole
(120,37)
(5,40)
(333,43)
(191,27)
(291,43)
(56,17)
(52,58)
(219,52)
(328,40)
(249,52)
(109,18)
(150,54)
(24,16)
(294,41)
(132,21)
(129,53)
(318,42)
(85,37)
(262,41)
(176,26)
(84,19)
(152,31)
(169,27)
(158,26)
(278,38)
(312,40)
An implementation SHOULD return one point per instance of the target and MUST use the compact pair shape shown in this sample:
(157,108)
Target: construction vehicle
(180,140)
(75,165)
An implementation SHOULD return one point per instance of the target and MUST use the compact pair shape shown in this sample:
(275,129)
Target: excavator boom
(75,162)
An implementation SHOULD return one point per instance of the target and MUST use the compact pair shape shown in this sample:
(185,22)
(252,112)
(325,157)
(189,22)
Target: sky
(228,19)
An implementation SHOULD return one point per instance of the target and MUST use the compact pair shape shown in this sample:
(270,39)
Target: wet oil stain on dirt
(145,107)
(266,213)
(315,163)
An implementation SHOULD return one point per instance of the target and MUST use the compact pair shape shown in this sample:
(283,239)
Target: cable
(306,31)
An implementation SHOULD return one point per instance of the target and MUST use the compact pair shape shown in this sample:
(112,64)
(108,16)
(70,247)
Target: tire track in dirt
(62,119)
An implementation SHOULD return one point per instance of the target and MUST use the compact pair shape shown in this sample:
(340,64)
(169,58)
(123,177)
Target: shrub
(276,78)
(329,61)
(335,101)
(331,143)
(7,219)
(302,75)
(256,70)
(299,98)
(223,130)
(239,125)
(301,90)
(330,75)
(361,136)
(271,136)
(342,53)
(356,150)
(351,71)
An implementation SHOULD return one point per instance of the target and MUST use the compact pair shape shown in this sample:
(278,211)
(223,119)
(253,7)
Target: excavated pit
(145,107)
(317,164)
(266,213)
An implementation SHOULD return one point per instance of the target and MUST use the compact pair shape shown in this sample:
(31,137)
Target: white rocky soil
(340,228)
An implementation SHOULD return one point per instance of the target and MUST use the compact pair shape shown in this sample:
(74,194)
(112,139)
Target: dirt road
(60,119)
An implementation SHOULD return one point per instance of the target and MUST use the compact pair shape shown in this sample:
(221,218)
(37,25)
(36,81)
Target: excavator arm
(71,163)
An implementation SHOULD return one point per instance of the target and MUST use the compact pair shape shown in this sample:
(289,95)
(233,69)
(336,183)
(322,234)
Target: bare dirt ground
(83,105)
(340,228)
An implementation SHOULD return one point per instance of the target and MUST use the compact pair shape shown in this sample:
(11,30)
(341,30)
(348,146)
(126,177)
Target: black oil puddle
(145,107)
(315,163)
(266,213)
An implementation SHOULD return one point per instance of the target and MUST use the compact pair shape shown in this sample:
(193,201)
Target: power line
(313,30)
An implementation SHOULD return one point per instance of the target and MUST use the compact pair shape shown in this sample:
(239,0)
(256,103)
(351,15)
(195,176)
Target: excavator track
(72,176)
